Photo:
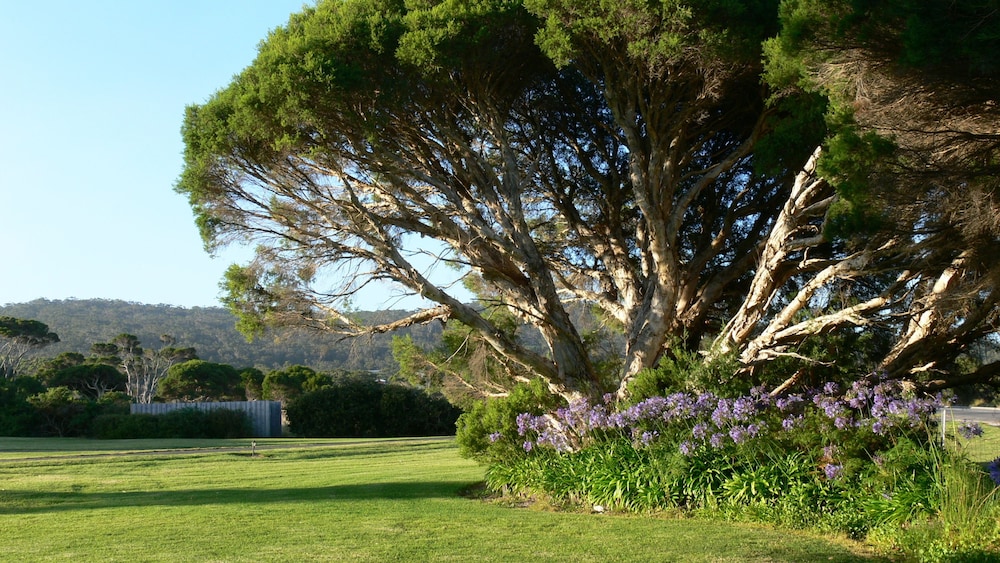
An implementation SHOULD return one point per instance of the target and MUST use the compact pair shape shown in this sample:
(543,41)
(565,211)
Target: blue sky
(92,96)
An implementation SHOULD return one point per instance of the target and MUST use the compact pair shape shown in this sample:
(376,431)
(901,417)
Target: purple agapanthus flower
(523,422)
(878,427)
(648,437)
(994,468)
(970,430)
(790,422)
(788,401)
(833,471)
(686,447)
(738,434)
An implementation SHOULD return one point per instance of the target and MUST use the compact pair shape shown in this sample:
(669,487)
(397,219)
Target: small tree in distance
(19,337)
(198,380)
(144,368)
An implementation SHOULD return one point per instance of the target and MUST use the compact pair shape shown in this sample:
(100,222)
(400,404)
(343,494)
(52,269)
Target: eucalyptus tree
(90,378)
(637,157)
(198,380)
(915,87)
(144,368)
(18,338)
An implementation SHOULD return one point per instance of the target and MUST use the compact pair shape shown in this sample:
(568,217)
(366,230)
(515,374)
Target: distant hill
(210,330)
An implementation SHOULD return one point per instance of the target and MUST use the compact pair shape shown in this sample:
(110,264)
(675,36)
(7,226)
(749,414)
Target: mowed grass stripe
(370,501)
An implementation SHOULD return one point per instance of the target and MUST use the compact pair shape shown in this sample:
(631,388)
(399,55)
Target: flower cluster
(970,430)
(708,421)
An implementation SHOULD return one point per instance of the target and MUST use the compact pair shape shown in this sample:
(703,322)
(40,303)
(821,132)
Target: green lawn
(378,500)
(981,449)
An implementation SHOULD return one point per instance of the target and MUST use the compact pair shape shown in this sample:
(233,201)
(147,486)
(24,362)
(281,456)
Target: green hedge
(366,409)
(183,423)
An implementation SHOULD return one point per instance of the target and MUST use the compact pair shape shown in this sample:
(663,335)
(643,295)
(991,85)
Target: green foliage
(114,402)
(655,35)
(450,35)
(959,502)
(17,338)
(252,380)
(17,416)
(198,380)
(246,298)
(912,472)
(463,366)
(686,370)
(290,383)
(90,379)
(848,164)
(406,411)
(488,432)
(796,125)
(837,356)
(35,333)
(181,423)
(356,408)
(64,412)
(125,426)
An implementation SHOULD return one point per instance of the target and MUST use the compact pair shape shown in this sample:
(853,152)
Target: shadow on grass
(31,502)
(345,448)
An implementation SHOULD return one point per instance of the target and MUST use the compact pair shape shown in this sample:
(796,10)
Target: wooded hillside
(210,330)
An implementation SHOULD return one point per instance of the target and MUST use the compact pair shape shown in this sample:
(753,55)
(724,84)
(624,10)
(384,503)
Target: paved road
(989,415)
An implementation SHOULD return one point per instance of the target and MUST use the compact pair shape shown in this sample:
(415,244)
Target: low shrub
(489,431)
(125,426)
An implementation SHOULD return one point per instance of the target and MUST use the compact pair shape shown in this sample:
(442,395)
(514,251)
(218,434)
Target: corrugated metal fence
(265,416)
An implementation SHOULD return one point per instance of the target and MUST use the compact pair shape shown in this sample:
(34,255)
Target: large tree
(627,155)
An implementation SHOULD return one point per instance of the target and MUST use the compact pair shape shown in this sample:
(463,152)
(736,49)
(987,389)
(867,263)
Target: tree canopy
(708,175)
(18,337)
(198,380)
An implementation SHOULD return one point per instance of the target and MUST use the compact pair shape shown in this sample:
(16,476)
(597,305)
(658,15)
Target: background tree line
(77,394)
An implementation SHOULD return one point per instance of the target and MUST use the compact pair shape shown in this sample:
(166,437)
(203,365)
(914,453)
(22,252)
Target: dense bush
(125,426)
(406,411)
(360,408)
(17,416)
(63,412)
(182,423)
(479,428)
